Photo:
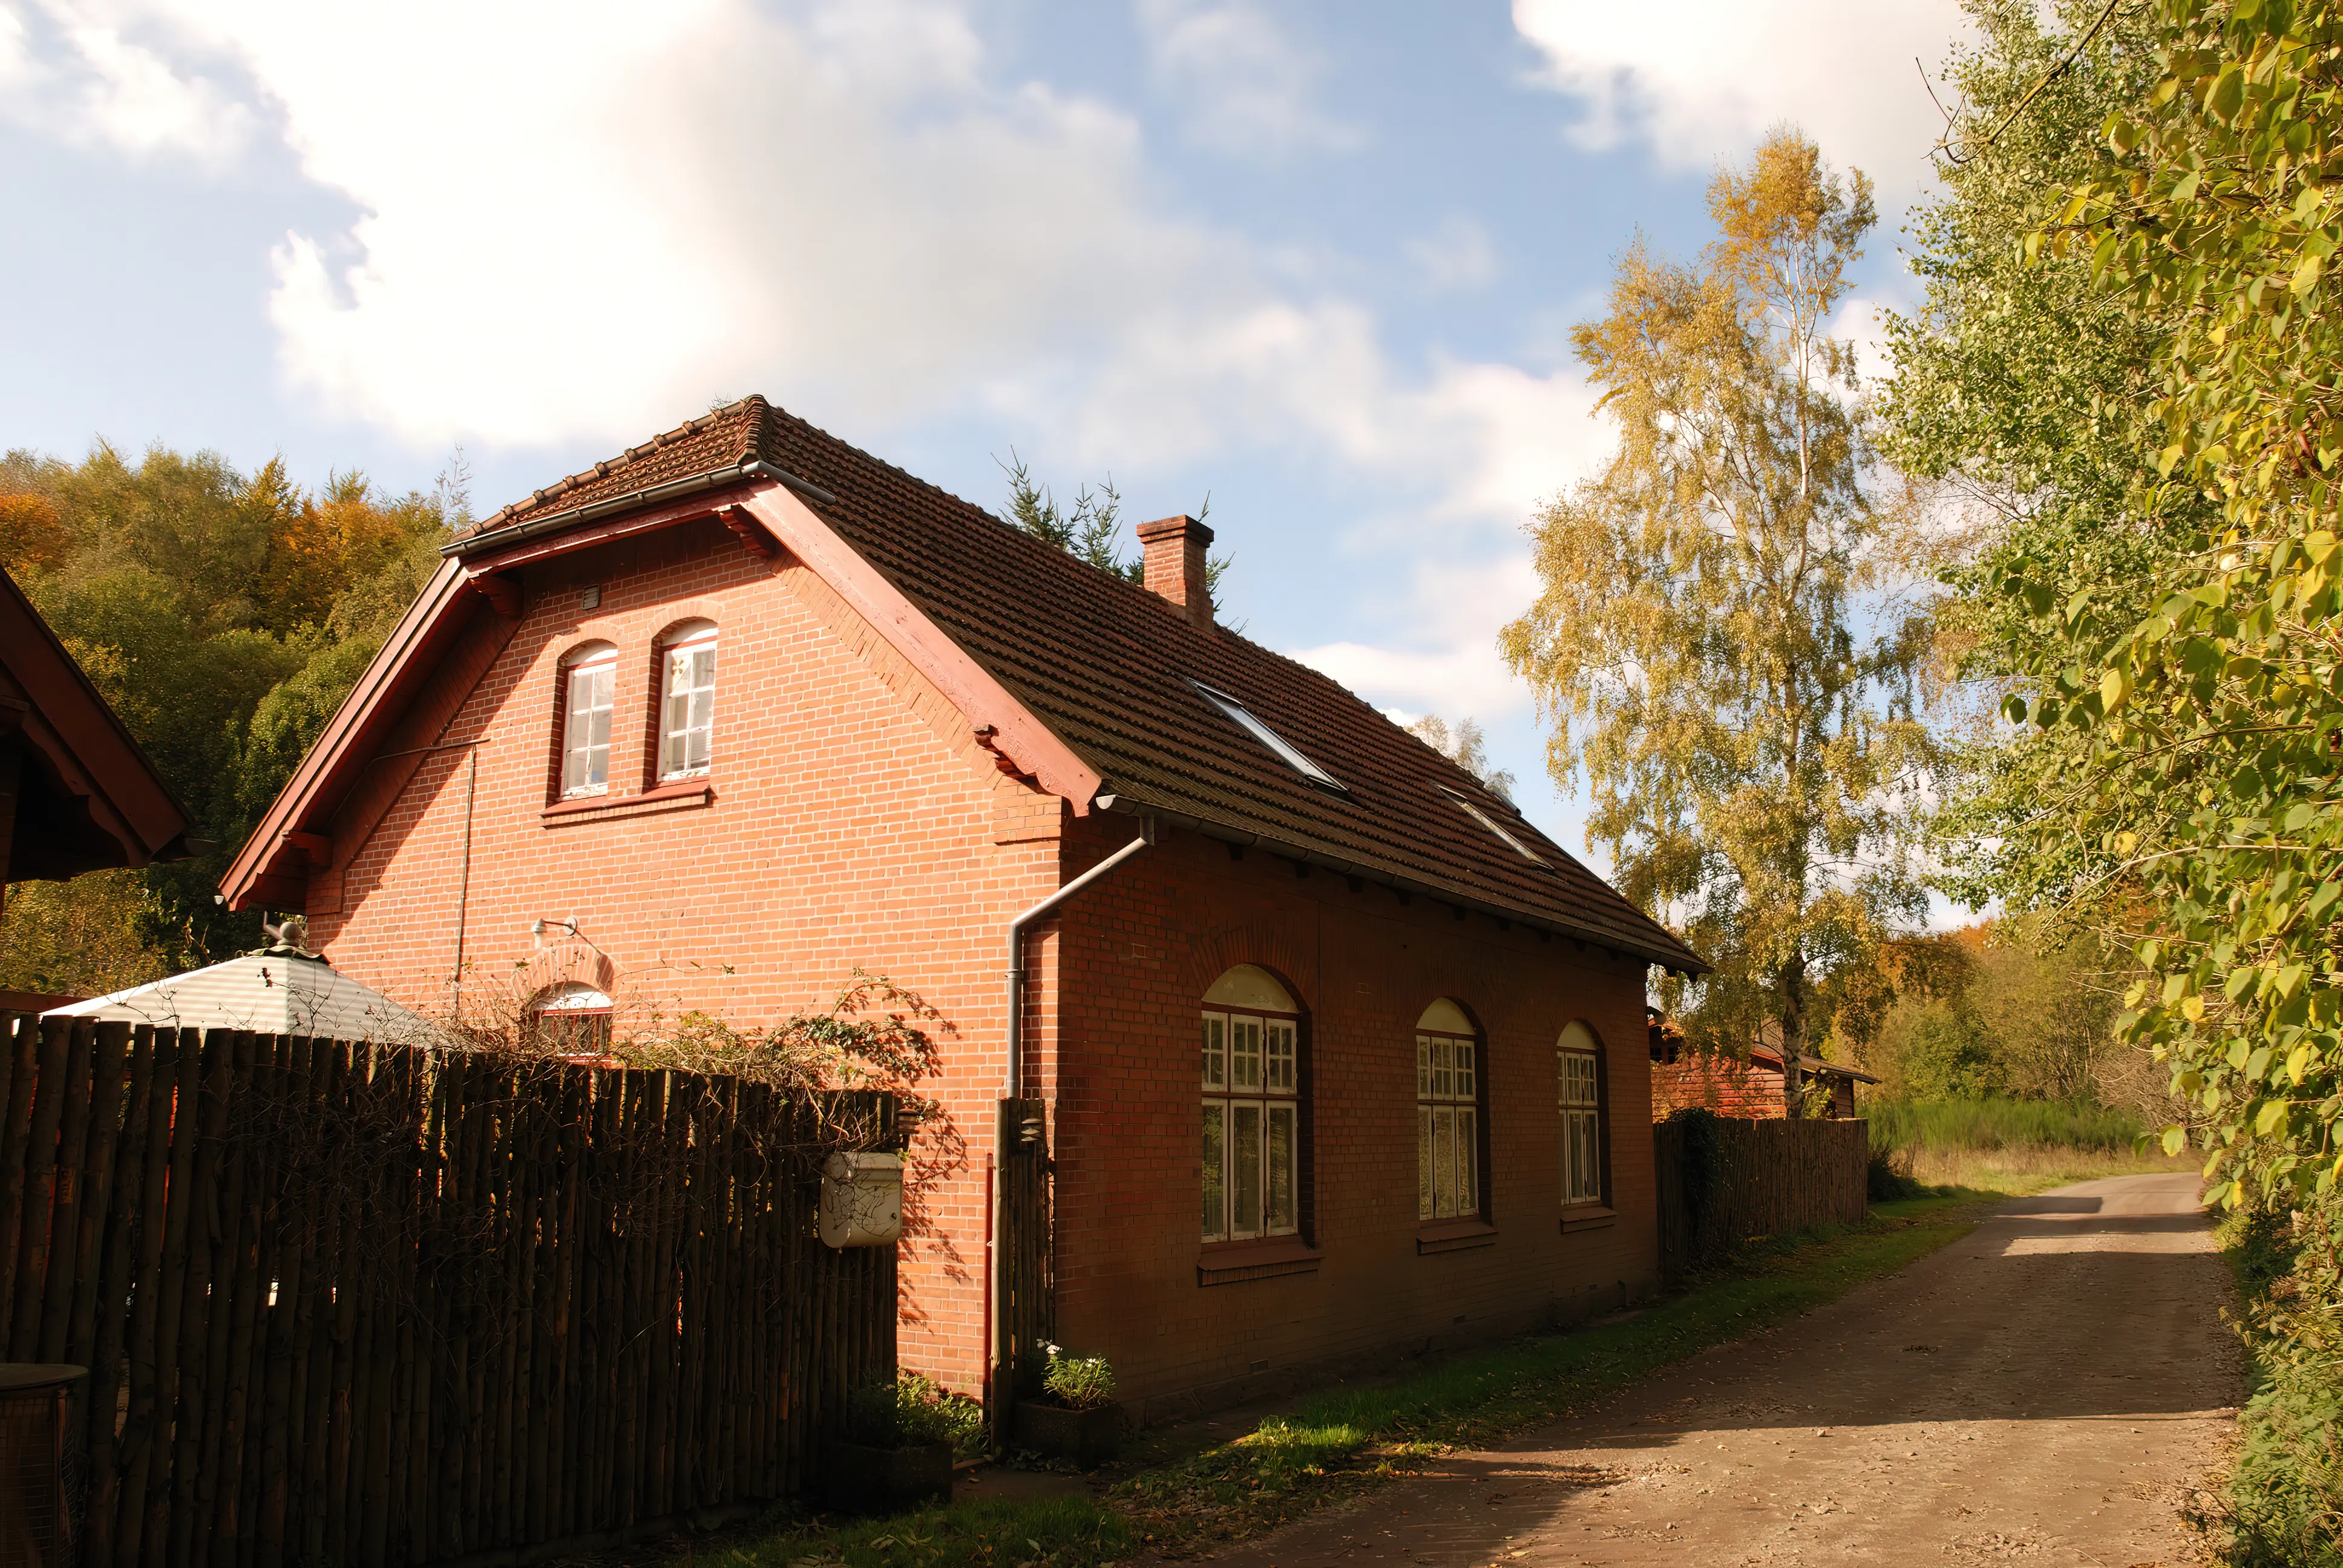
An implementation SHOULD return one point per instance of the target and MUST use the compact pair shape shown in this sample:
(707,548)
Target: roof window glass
(1491,823)
(1270,738)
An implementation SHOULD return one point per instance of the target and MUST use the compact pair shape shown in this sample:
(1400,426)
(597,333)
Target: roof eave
(256,861)
(1682,963)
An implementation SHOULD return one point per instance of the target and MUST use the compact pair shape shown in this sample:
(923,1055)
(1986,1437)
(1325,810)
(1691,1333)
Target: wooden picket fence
(1724,1180)
(372,1305)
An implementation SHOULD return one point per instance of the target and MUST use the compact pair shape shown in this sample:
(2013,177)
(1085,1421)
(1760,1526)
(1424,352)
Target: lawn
(1346,1440)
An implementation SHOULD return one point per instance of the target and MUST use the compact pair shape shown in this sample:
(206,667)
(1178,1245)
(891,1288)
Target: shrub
(1888,1176)
(873,1417)
(914,1409)
(2286,1490)
(1078,1382)
(927,1412)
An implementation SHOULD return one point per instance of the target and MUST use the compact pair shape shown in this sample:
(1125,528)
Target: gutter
(1336,863)
(1012,1086)
(693,484)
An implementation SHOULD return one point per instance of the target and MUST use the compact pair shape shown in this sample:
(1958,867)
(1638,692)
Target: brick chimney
(1175,563)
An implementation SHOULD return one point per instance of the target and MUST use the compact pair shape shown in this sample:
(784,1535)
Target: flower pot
(1086,1437)
(862,1478)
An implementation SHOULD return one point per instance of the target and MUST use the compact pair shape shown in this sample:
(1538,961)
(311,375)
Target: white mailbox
(861,1200)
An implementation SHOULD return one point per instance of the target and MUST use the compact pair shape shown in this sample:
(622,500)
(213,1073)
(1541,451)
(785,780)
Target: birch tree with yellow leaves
(1718,646)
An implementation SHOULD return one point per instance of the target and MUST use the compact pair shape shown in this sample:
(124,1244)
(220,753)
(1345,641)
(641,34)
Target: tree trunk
(1791,1011)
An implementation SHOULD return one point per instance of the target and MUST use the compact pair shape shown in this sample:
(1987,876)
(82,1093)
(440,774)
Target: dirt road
(2044,1391)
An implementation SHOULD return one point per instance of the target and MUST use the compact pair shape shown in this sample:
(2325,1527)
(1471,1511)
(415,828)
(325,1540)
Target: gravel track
(2048,1389)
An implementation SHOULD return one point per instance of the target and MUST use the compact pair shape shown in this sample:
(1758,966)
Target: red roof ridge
(601,470)
(1106,668)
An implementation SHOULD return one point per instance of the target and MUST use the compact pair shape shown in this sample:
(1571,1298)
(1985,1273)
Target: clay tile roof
(1107,665)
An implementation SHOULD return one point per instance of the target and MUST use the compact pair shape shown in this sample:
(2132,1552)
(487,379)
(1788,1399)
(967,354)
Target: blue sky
(1318,258)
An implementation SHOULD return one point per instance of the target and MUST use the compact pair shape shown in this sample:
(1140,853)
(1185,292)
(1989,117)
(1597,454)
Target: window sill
(1591,1217)
(1234,1264)
(1453,1236)
(681,796)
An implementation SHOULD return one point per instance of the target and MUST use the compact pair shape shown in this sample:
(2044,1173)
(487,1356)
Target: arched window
(1449,1085)
(588,679)
(688,706)
(1252,1108)
(571,1020)
(1578,1072)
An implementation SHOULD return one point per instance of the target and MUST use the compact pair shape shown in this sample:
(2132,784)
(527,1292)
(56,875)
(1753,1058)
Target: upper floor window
(1578,1069)
(1252,1071)
(1448,1089)
(687,710)
(588,680)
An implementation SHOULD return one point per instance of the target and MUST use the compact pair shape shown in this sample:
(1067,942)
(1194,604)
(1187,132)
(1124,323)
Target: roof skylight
(1491,823)
(1271,738)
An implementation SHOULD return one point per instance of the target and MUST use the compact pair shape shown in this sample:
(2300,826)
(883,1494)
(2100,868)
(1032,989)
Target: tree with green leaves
(2017,403)
(2208,724)
(223,616)
(1092,532)
(1715,644)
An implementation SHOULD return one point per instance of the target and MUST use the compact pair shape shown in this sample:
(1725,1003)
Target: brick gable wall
(854,823)
(857,821)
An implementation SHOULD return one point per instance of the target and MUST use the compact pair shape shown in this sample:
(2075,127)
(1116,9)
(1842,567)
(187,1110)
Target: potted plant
(1077,1417)
(892,1456)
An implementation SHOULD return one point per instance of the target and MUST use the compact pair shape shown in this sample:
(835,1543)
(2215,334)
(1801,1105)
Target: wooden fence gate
(368,1305)
(1030,1304)
(1722,1179)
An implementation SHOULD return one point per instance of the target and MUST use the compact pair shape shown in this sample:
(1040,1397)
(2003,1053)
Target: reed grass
(2014,1146)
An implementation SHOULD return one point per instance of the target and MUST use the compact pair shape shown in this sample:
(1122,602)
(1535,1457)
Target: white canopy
(272,993)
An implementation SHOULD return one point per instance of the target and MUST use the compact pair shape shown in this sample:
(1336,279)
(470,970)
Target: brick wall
(1717,1083)
(1137,955)
(854,822)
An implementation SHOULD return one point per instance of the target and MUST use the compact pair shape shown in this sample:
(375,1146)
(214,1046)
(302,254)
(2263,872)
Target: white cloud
(1704,80)
(580,234)
(1442,657)
(1247,87)
(76,75)
(1455,256)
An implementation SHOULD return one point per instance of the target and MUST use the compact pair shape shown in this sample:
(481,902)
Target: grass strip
(1347,1440)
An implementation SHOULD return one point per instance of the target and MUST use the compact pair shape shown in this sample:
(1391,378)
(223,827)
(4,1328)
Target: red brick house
(743,708)
(1683,1078)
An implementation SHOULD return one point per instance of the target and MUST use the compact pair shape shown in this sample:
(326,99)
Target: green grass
(2016,1147)
(991,1532)
(1997,1123)
(1348,1439)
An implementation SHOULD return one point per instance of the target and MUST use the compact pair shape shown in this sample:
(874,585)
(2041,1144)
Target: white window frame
(586,757)
(1578,1083)
(1252,1085)
(1284,749)
(679,655)
(575,1017)
(1449,1077)
(1473,810)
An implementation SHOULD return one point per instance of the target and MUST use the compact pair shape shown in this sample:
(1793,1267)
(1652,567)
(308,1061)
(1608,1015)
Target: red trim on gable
(335,798)
(269,869)
(1031,746)
(88,768)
